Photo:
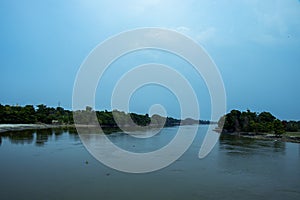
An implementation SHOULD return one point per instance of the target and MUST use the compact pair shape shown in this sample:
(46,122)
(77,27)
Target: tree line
(30,114)
(264,122)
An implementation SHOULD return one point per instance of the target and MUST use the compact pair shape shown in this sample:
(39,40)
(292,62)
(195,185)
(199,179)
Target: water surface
(53,164)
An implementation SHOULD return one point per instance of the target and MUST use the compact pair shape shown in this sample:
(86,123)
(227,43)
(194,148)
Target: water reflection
(57,132)
(19,137)
(279,146)
(242,146)
(42,137)
(37,137)
(237,168)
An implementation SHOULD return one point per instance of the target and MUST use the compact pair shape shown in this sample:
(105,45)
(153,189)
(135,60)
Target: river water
(54,164)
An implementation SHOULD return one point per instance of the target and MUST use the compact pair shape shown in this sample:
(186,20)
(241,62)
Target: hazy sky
(254,43)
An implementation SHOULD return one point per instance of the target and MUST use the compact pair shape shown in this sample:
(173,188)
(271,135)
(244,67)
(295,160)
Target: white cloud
(204,35)
(183,29)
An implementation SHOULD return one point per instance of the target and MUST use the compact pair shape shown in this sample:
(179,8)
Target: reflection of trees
(72,130)
(38,137)
(279,146)
(58,131)
(234,140)
(42,136)
(234,144)
(21,137)
(73,134)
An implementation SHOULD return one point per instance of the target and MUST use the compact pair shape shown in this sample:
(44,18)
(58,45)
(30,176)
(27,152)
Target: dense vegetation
(29,114)
(264,122)
(42,114)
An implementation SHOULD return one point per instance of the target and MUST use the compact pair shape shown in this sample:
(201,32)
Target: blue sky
(255,44)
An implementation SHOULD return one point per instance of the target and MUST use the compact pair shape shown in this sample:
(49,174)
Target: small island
(259,126)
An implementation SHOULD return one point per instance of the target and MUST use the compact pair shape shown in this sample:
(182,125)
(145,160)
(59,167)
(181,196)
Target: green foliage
(248,121)
(278,127)
(142,120)
(171,121)
(292,126)
(88,108)
(29,115)
(266,117)
(48,115)
(157,119)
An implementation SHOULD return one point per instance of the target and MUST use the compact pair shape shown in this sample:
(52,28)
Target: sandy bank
(21,127)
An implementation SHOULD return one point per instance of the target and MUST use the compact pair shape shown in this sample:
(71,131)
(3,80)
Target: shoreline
(266,136)
(260,136)
(22,127)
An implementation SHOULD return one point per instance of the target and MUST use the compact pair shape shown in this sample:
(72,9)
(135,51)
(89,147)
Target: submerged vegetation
(264,122)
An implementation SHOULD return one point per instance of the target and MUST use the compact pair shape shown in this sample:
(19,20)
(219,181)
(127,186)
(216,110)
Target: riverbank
(22,127)
(293,137)
(286,137)
(82,127)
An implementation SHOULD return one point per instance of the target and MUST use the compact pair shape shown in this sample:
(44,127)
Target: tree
(28,114)
(232,121)
(88,108)
(41,113)
(278,127)
(266,117)
(264,122)
(291,126)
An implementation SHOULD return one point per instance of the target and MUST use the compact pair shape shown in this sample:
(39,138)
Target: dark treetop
(42,114)
(264,122)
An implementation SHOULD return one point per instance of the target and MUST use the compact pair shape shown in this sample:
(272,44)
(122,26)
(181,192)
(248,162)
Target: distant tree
(221,121)
(264,122)
(171,121)
(121,118)
(266,117)
(246,118)
(88,108)
(42,113)
(141,120)
(2,109)
(158,120)
(278,127)
(291,126)
(28,114)
(232,121)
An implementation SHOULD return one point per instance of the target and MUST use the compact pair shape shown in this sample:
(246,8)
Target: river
(54,164)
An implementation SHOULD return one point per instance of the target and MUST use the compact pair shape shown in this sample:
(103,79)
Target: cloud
(206,35)
(261,22)
(183,29)
(203,36)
